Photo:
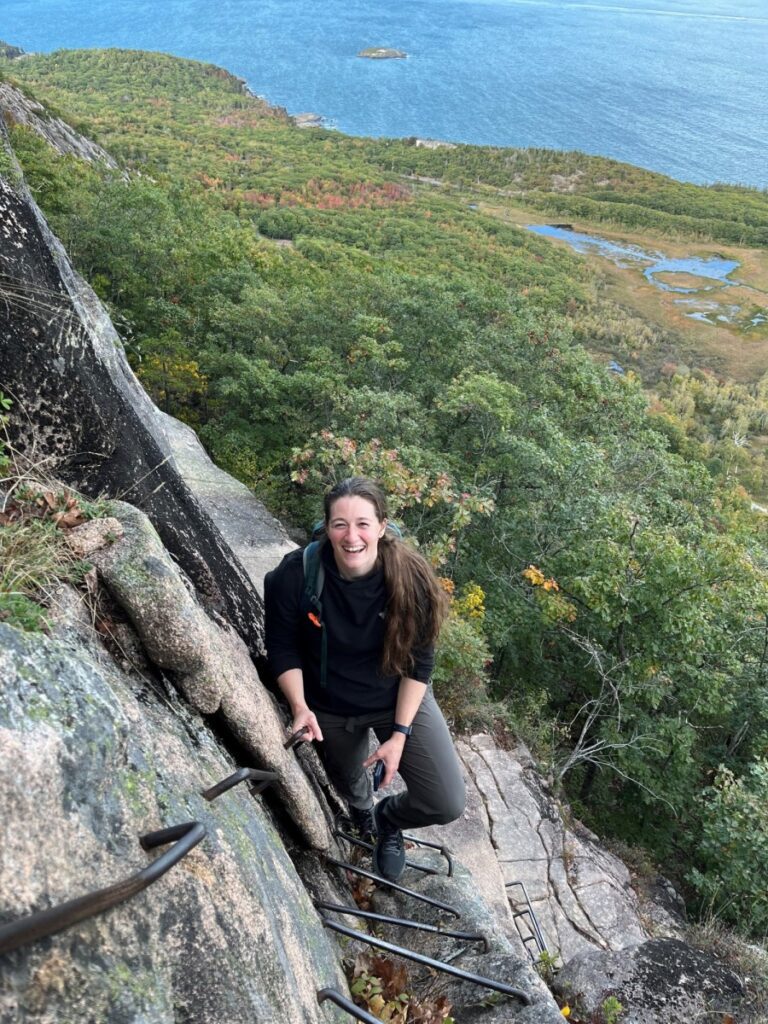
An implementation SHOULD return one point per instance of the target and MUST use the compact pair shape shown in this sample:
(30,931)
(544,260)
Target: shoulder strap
(314,578)
(314,573)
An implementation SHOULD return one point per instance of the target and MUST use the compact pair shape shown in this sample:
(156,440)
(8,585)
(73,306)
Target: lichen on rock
(220,937)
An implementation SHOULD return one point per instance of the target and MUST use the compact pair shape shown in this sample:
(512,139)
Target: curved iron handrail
(341,834)
(392,885)
(427,961)
(346,1004)
(369,915)
(56,919)
(295,738)
(433,846)
(410,839)
(263,777)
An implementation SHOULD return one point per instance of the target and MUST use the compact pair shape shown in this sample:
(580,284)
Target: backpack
(314,579)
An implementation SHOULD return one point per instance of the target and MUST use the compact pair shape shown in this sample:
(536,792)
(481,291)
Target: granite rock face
(20,109)
(209,662)
(77,401)
(89,760)
(10,52)
(256,537)
(663,981)
(496,959)
(581,894)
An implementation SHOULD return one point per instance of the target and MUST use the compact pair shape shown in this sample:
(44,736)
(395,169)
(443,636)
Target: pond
(624,254)
(668,274)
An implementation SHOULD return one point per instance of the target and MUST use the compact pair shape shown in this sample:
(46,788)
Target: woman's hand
(291,682)
(390,753)
(304,717)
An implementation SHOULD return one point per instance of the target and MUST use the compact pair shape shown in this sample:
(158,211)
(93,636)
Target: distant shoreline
(428,121)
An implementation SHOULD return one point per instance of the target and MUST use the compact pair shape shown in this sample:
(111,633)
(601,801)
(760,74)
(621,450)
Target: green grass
(34,560)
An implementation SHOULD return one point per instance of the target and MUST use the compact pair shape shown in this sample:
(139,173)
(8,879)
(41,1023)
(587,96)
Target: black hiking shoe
(362,822)
(389,852)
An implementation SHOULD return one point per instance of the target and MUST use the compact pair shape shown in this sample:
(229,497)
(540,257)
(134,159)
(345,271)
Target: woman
(381,612)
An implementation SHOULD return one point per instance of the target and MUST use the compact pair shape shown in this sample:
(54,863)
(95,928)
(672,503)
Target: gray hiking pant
(429,765)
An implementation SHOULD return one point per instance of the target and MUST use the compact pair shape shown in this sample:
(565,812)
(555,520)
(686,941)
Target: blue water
(652,263)
(625,254)
(678,86)
(713,269)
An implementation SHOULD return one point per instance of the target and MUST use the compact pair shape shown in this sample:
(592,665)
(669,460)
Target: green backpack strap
(314,578)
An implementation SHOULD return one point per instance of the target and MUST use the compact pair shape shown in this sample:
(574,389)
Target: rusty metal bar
(56,919)
(264,778)
(369,846)
(369,915)
(346,1004)
(392,885)
(427,961)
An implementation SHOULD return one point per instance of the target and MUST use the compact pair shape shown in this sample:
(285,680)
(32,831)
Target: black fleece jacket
(353,615)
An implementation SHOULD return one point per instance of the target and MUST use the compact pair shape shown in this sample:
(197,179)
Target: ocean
(676,86)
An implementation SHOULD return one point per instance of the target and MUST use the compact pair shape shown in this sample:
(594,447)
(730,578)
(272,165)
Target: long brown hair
(416,603)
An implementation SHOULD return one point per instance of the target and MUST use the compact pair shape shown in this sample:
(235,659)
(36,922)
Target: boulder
(208,661)
(662,981)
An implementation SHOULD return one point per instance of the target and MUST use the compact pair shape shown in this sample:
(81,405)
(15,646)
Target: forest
(314,308)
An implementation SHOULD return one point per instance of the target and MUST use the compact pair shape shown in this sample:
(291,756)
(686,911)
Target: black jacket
(353,615)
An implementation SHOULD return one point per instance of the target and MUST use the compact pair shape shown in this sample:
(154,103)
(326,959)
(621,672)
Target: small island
(381,53)
(308,120)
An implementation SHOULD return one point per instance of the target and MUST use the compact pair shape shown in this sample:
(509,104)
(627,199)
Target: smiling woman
(361,658)
(354,532)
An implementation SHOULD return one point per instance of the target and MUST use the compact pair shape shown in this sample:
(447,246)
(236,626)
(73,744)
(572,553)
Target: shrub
(734,848)
(460,674)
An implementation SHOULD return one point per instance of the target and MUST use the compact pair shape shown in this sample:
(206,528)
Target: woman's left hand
(390,753)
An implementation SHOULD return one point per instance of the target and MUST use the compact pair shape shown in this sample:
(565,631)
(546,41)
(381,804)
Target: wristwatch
(406,730)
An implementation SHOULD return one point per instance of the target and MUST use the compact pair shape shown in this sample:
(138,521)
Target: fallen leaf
(91,581)
(66,520)
(362,890)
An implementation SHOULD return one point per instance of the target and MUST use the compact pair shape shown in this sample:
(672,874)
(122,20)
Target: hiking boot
(362,822)
(389,852)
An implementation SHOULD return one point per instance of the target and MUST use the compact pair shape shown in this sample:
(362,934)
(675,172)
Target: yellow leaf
(376,1004)
(533,575)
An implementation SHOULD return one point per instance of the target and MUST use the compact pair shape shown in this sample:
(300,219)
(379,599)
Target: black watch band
(406,730)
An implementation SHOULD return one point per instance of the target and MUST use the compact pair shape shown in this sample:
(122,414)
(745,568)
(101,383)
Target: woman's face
(354,532)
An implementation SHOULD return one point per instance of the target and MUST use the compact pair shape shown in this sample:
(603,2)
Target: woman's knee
(451,805)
